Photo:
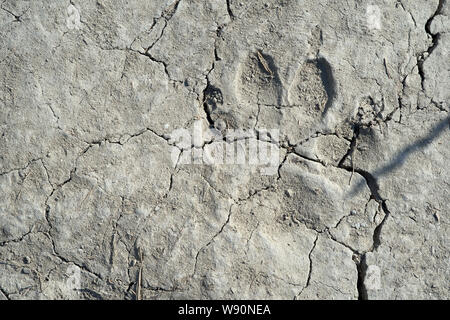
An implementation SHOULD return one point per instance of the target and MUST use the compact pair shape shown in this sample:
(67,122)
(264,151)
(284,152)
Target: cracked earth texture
(93,205)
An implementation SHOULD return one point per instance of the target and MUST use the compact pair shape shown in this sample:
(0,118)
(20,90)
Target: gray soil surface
(114,114)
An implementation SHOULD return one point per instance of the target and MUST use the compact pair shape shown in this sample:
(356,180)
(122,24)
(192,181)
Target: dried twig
(87,196)
(139,281)
(264,63)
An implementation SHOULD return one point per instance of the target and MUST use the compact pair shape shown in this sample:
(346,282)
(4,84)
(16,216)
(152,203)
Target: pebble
(26,271)
(220,124)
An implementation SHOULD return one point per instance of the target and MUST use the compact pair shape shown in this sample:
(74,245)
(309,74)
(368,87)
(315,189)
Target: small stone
(288,193)
(123,139)
(26,271)
(26,260)
(220,124)
(140,211)
(436,216)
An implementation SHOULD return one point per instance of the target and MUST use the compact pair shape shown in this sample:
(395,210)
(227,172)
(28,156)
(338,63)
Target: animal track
(308,90)
(259,80)
(217,116)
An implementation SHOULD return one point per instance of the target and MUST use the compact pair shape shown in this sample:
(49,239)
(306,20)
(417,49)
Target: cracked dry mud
(98,199)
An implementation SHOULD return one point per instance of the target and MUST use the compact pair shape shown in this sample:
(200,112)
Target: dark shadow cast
(326,74)
(400,158)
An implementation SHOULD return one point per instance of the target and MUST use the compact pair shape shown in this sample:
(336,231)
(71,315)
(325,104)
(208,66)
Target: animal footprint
(308,90)
(259,80)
